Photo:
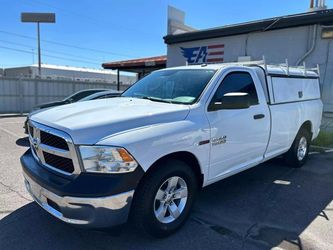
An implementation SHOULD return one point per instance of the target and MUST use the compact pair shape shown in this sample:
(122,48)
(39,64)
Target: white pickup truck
(145,155)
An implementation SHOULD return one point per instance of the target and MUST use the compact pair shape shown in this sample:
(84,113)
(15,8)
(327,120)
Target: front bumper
(88,200)
(98,212)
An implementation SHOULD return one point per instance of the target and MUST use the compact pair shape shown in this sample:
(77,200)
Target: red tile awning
(139,65)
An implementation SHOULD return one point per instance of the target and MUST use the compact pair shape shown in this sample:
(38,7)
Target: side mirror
(232,100)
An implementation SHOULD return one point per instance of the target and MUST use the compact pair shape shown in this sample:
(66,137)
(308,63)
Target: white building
(300,38)
(69,73)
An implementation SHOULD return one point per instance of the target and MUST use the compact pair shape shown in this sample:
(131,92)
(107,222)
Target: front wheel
(299,151)
(163,201)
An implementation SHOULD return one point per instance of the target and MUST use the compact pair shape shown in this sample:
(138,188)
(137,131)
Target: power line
(66,45)
(47,55)
(47,50)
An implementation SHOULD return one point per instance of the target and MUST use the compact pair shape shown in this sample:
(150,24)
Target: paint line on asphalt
(321,147)
(9,132)
(11,122)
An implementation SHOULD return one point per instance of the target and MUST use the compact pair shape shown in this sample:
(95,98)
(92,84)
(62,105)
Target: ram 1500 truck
(145,155)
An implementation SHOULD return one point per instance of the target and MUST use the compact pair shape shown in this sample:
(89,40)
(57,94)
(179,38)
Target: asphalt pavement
(268,206)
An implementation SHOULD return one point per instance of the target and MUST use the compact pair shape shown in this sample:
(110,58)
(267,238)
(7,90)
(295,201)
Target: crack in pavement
(16,192)
(248,232)
(215,227)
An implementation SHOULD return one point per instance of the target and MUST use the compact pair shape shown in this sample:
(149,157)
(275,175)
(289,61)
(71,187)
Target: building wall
(276,45)
(18,72)
(64,74)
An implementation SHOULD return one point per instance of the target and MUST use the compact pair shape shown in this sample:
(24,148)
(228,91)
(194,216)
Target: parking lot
(265,207)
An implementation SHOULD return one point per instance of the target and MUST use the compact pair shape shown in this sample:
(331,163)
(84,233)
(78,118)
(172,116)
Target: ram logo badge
(219,140)
(35,143)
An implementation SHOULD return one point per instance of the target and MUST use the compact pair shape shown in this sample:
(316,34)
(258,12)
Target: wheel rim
(170,199)
(302,148)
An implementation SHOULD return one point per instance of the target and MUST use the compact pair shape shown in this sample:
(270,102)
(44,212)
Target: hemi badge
(203,142)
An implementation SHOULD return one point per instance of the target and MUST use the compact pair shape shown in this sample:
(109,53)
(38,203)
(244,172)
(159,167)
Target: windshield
(172,86)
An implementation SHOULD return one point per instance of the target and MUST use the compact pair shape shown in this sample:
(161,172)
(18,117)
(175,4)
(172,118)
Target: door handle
(258,116)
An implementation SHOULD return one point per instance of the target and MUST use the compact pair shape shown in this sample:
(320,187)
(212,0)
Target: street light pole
(38,18)
(39,54)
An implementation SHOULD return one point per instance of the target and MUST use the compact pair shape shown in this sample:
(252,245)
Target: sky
(90,32)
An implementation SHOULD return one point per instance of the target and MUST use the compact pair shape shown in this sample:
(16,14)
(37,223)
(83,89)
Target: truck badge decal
(203,54)
(219,140)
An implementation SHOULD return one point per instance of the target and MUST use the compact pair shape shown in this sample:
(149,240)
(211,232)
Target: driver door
(239,134)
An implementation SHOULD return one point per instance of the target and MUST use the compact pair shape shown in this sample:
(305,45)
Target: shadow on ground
(260,208)
(23,142)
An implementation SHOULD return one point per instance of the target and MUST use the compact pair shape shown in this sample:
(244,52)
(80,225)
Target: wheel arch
(308,126)
(185,156)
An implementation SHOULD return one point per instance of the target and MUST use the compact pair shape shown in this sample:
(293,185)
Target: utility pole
(118,80)
(39,54)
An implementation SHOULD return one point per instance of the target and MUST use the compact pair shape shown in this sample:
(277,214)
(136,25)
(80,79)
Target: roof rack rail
(284,66)
(259,62)
(287,66)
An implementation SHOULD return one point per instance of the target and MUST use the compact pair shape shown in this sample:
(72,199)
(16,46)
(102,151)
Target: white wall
(68,74)
(21,95)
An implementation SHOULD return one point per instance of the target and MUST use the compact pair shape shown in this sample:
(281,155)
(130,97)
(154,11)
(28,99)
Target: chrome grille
(31,130)
(53,148)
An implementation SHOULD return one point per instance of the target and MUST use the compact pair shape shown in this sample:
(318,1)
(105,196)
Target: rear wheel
(163,201)
(298,153)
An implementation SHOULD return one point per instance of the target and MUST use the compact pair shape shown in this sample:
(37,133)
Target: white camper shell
(291,85)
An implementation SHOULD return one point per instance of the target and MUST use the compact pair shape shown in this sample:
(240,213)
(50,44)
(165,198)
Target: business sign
(38,17)
(204,54)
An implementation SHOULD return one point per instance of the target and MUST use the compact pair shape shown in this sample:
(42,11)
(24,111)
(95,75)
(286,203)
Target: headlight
(104,159)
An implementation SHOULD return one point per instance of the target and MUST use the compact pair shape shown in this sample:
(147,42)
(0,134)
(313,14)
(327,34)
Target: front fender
(148,144)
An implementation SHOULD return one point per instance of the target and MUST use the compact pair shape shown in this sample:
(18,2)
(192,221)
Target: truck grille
(59,162)
(54,149)
(52,140)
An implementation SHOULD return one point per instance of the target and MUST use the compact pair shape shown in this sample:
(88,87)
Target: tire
(298,153)
(151,200)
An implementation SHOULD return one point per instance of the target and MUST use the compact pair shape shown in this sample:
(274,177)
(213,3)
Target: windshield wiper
(155,99)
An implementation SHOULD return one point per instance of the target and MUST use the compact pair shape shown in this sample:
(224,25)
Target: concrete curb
(13,115)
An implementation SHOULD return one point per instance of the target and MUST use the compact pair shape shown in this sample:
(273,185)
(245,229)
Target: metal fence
(20,95)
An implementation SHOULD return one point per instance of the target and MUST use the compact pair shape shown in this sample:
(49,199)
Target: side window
(237,82)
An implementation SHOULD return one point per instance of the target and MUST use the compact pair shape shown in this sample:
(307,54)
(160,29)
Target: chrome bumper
(97,212)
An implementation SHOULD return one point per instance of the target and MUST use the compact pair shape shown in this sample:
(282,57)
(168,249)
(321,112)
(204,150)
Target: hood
(91,121)
(50,104)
